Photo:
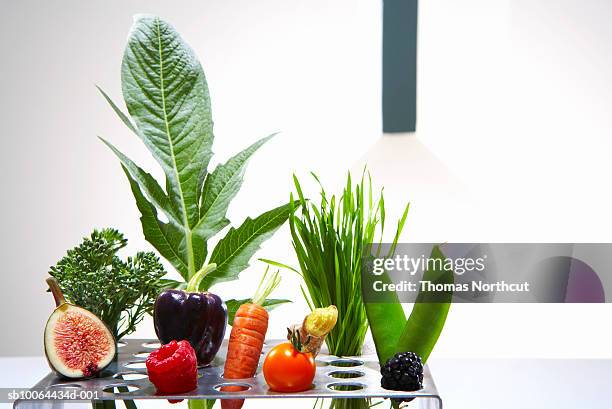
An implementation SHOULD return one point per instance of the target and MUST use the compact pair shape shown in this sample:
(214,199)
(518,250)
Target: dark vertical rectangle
(399,65)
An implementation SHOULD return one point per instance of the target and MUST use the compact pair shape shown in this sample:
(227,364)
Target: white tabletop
(523,383)
(462,383)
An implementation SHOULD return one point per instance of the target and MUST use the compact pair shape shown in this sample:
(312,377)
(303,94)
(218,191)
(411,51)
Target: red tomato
(288,370)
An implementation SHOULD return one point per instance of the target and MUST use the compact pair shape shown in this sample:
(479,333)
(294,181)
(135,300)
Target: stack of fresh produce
(169,107)
(109,292)
(119,292)
(288,367)
(167,98)
(330,241)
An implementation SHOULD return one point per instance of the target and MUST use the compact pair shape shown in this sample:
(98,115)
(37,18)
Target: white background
(513,140)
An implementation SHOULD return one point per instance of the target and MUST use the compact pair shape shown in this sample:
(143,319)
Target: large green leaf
(167,238)
(167,96)
(233,305)
(220,188)
(233,252)
(124,118)
(148,184)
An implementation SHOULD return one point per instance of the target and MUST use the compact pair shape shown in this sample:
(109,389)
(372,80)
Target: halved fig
(77,343)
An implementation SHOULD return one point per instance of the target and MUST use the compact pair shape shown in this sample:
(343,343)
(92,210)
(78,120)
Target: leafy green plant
(92,276)
(329,239)
(167,98)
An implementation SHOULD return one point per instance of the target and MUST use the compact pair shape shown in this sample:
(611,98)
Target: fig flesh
(77,343)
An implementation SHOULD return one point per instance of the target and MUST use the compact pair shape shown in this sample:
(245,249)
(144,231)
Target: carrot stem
(266,286)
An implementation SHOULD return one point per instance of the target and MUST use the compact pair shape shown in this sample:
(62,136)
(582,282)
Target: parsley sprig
(120,292)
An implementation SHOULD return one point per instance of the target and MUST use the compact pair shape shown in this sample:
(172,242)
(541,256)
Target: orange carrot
(247,339)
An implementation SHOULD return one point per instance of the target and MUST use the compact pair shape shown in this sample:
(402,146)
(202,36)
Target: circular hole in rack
(236,387)
(345,374)
(136,365)
(346,362)
(120,388)
(151,345)
(130,376)
(66,386)
(144,354)
(345,386)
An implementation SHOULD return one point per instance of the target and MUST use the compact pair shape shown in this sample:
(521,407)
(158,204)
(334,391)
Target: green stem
(190,256)
(358,403)
(103,404)
(194,283)
(97,404)
(129,404)
(200,404)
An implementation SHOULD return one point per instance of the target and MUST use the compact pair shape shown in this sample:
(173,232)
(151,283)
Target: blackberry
(402,372)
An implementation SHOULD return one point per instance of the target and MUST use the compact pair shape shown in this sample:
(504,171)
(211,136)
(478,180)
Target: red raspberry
(173,368)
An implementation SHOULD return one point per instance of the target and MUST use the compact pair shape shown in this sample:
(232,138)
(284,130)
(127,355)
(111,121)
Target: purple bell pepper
(198,317)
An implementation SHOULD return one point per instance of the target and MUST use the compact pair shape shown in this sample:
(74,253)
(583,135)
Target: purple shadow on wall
(564,279)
